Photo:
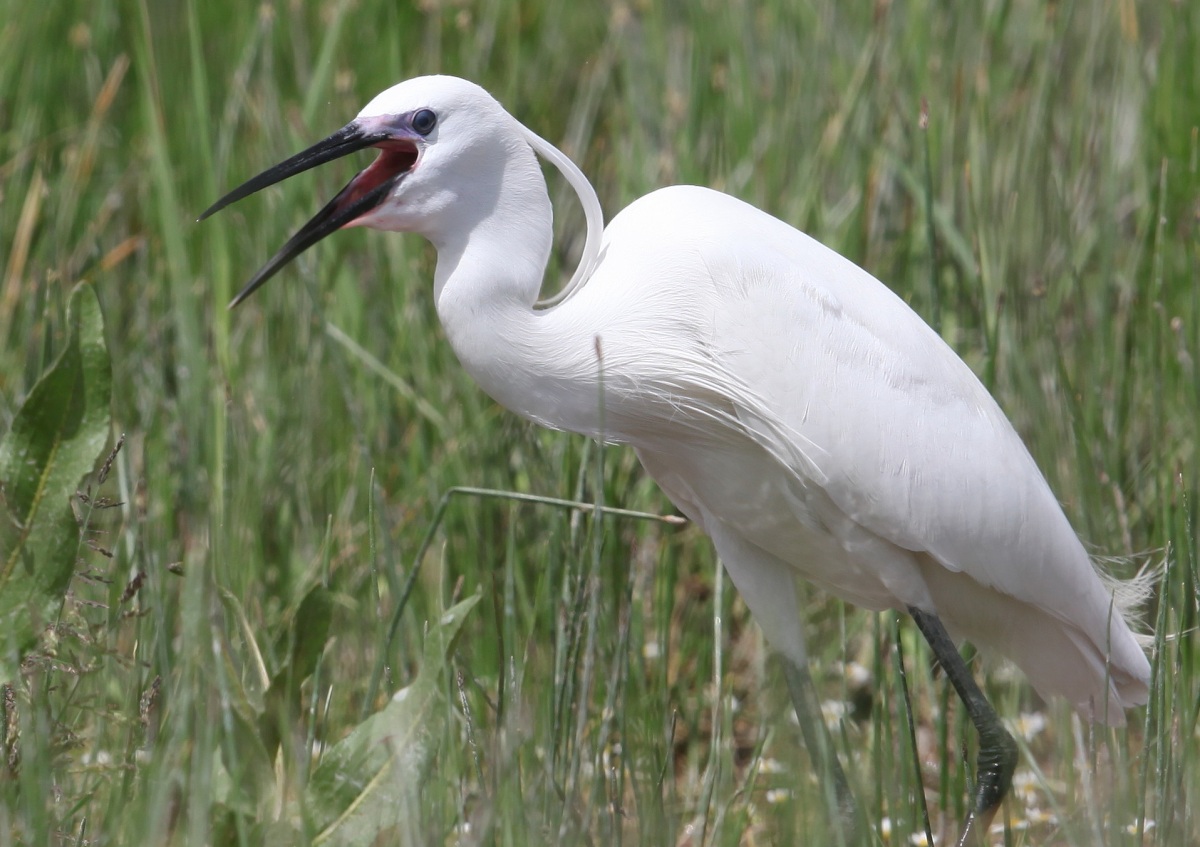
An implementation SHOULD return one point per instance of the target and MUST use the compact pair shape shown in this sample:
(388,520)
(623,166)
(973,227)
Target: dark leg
(838,796)
(997,749)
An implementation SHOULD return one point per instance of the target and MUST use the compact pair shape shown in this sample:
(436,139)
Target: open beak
(369,188)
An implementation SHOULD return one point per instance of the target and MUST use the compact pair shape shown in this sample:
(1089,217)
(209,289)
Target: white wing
(885,471)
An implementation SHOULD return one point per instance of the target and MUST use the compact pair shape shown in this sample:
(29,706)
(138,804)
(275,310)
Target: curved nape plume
(591,211)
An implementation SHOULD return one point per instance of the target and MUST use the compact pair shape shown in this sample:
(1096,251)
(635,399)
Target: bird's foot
(995,767)
(975,829)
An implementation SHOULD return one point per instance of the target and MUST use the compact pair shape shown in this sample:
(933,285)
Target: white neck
(489,272)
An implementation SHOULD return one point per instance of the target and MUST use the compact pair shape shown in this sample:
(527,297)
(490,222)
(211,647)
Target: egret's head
(435,136)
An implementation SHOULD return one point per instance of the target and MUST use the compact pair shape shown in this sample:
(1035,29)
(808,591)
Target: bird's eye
(424,121)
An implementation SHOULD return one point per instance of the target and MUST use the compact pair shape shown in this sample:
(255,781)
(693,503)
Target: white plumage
(784,399)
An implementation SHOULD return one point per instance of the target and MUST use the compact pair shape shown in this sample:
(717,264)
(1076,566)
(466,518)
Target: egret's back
(813,414)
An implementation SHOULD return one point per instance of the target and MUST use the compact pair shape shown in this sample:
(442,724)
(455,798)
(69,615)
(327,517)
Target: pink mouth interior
(395,158)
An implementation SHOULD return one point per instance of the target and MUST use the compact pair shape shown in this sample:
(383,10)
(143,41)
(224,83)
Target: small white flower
(856,674)
(1026,787)
(833,711)
(1040,816)
(1033,816)
(777,795)
(1028,725)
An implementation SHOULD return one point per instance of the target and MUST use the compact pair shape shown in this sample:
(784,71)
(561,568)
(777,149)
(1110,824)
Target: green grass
(609,687)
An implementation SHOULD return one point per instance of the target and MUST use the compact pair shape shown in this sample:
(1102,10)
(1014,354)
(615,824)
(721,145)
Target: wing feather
(851,392)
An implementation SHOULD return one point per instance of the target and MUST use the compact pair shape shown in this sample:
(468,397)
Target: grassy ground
(283,463)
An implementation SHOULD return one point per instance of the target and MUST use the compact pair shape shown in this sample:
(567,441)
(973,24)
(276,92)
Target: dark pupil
(424,121)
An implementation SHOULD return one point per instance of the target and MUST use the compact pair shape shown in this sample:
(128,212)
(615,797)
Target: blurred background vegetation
(1023,173)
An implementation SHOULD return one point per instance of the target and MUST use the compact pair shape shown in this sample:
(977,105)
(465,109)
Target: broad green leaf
(369,783)
(244,777)
(304,641)
(245,787)
(56,437)
(307,636)
(253,692)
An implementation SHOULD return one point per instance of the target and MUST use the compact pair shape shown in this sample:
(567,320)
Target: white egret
(784,399)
